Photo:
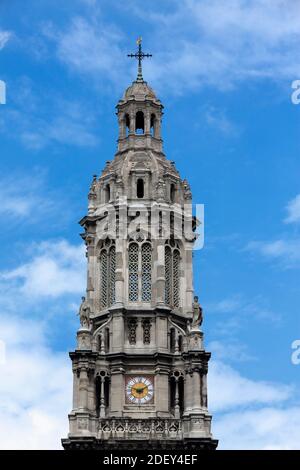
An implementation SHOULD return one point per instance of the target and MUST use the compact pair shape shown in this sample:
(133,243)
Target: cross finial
(140,55)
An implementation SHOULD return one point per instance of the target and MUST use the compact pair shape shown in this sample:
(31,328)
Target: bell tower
(140,367)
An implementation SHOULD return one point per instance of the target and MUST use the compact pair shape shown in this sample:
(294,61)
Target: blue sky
(223,71)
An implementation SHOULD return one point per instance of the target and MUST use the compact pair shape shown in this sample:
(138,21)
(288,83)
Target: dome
(140,91)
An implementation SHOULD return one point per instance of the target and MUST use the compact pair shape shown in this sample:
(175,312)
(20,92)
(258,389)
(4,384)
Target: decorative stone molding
(146,324)
(129,428)
(132,326)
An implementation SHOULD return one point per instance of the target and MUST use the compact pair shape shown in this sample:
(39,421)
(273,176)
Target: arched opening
(127,124)
(107,193)
(153,125)
(140,188)
(139,122)
(172,192)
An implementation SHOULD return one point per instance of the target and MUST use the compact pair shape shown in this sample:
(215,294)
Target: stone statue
(187,190)
(197,313)
(161,189)
(84,313)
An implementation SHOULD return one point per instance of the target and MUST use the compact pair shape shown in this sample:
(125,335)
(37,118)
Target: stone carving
(187,190)
(161,189)
(146,323)
(197,313)
(132,324)
(140,428)
(84,313)
(82,423)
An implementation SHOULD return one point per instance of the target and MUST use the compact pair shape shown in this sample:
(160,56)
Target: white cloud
(35,396)
(239,311)
(229,390)
(39,123)
(22,196)
(91,47)
(221,43)
(264,429)
(293,210)
(285,250)
(56,268)
(232,351)
(4,38)
(217,119)
(252,414)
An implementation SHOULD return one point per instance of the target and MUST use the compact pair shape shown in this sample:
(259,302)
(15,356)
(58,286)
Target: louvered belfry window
(140,272)
(172,273)
(107,260)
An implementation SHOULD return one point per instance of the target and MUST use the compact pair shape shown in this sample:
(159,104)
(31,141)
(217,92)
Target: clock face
(139,389)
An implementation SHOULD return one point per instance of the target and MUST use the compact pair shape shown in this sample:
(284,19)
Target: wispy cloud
(91,47)
(205,43)
(236,312)
(230,351)
(263,429)
(284,249)
(56,121)
(23,196)
(252,414)
(221,43)
(293,211)
(287,250)
(56,268)
(238,391)
(218,119)
(4,38)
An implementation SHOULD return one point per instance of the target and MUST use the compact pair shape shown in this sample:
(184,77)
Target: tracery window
(107,273)
(139,271)
(172,273)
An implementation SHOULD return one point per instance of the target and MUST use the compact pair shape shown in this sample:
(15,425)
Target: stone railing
(128,428)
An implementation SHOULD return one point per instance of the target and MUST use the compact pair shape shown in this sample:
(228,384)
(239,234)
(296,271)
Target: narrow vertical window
(152,125)
(172,339)
(107,340)
(168,274)
(107,193)
(133,271)
(146,272)
(104,276)
(112,275)
(172,274)
(127,124)
(139,122)
(140,188)
(172,192)
(107,261)
(176,260)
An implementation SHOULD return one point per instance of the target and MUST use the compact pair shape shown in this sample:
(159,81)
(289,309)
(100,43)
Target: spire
(139,55)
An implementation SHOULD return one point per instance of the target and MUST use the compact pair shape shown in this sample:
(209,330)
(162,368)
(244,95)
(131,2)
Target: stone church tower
(139,368)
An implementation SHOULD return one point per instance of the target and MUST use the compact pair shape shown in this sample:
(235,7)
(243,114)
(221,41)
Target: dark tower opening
(127,124)
(140,188)
(139,123)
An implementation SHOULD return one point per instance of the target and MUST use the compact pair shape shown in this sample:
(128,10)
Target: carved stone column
(83,388)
